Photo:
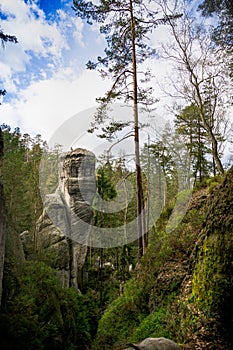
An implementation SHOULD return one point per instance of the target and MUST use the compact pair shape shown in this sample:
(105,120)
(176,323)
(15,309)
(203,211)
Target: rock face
(155,344)
(2,219)
(64,227)
(212,283)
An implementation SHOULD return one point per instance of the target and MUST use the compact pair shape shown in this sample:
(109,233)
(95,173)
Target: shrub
(43,315)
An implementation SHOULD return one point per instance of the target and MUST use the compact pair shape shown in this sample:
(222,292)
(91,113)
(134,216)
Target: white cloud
(27,22)
(44,105)
(43,70)
(62,14)
(48,102)
(77,33)
(36,38)
(57,90)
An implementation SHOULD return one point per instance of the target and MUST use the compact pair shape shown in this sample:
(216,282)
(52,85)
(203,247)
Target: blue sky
(50,7)
(44,74)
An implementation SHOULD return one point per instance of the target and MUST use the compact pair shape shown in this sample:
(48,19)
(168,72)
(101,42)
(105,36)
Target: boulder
(155,344)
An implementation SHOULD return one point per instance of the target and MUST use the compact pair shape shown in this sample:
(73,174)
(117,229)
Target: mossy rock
(213,274)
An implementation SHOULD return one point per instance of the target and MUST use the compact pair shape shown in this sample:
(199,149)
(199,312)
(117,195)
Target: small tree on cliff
(126,25)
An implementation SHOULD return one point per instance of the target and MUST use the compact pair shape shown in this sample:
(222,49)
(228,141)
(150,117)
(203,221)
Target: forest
(153,254)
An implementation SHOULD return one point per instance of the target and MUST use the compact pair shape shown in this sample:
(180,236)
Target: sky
(45,73)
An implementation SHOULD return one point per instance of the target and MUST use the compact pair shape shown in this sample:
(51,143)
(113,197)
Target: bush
(43,315)
(122,317)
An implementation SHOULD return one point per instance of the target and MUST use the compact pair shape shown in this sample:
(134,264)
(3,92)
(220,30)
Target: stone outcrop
(64,226)
(212,281)
(155,344)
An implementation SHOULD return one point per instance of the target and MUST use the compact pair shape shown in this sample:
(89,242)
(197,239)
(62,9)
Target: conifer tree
(223,29)
(126,25)
(188,125)
(20,176)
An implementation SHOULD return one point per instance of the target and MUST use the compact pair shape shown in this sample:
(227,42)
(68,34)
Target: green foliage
(49,169)
(210,183)
(131,312)
(105,184)
(20,176)
(43,315)
(151,305)
(121,317)
(165,321)
(115,23)
(213,183)
(151,326)
(222,33)
(188,125)
(110,131)
(108,176)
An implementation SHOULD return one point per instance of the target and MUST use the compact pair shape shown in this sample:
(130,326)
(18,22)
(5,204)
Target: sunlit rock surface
(64,227)
(155,344)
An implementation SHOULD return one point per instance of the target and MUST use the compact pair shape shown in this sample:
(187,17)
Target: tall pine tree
(126,25)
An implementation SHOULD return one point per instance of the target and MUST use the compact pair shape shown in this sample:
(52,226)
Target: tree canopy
(223,30)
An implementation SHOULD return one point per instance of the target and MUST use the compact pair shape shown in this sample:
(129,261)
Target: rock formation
(155,344)
(64,226)
(212,281)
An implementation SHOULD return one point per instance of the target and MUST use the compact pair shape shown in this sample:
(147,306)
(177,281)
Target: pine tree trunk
(136,140)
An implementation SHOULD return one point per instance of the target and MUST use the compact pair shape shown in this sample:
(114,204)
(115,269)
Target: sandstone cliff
(64,226)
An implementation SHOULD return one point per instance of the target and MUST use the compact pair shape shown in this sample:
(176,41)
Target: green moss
(153,325)
(117,323)
(212,284)
(122,316)
(210,182)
